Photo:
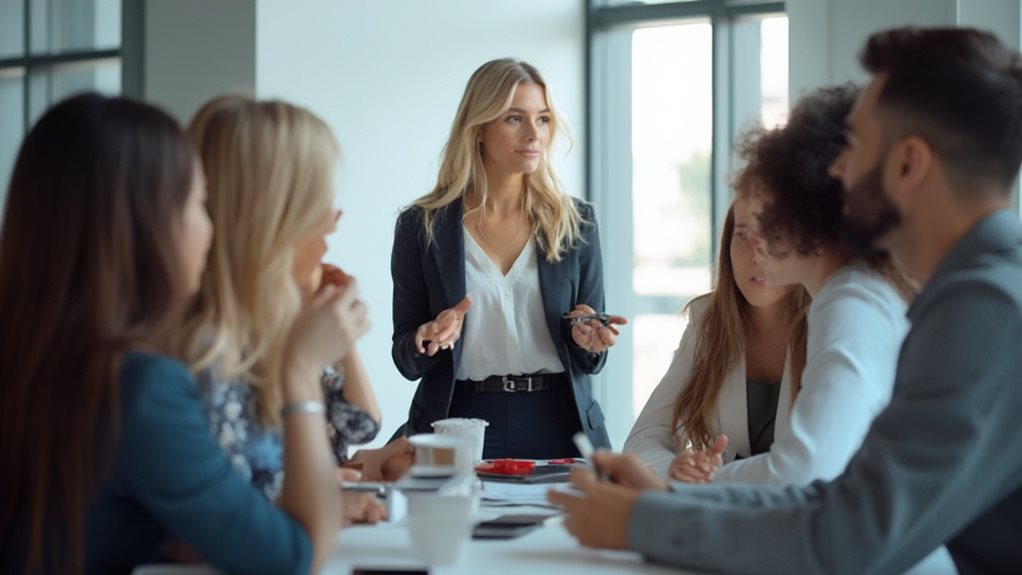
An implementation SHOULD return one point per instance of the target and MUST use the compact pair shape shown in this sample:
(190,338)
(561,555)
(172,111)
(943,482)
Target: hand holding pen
(594,332)
(596,512)
(622,468)
(585,447)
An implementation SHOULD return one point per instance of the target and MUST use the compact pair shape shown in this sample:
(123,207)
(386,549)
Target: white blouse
(505,331)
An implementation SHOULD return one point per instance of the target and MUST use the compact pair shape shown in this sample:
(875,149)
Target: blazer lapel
(555,287)
(449,253)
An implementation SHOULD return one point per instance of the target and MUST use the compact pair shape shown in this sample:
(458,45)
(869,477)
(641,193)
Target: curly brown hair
(789,164)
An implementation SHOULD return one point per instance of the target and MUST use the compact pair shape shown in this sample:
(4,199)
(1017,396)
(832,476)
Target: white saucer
(431,471)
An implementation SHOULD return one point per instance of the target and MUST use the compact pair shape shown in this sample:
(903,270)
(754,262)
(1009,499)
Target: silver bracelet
(302,407)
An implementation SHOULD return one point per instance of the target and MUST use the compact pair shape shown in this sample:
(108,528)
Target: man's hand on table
(599,517)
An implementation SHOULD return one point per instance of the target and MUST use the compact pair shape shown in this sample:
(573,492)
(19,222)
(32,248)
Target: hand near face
(330,323)
(592,335)
(599,517)
(693,466)
(442,332)
(330,274)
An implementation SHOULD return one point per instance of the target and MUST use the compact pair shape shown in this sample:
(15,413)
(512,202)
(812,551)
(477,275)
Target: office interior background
(654,94)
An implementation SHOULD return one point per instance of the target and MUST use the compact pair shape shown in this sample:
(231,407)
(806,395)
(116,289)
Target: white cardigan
(856,325)
(652,438)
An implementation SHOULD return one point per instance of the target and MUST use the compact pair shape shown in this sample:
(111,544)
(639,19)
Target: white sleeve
(652,437)
(855,335)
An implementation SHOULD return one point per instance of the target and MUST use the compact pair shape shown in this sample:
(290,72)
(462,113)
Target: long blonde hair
(269,171)
(722,333)
(554,217)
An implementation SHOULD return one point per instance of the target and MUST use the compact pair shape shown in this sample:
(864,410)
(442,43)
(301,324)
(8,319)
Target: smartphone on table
(385,571)
(507,526)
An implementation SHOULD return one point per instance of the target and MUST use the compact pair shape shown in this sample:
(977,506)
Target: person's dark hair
(790,165)
(88,269)
(960,90)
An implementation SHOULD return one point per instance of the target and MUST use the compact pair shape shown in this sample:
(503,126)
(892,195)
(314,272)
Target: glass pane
(12,124)
(60,26)
(600,3)
(12,28)
(672,112)
(656,338)
(774,70)
(50,85)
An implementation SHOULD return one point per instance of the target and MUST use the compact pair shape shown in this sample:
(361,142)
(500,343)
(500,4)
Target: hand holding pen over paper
(594,332)
(597,512)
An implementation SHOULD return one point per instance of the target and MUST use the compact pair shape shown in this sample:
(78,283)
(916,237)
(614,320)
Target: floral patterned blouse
(257,452)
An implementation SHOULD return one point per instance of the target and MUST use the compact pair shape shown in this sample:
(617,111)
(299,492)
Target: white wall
(827,35)
(387,76)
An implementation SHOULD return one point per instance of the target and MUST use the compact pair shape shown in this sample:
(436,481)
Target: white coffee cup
(439,526)
(465,427)
(437,454)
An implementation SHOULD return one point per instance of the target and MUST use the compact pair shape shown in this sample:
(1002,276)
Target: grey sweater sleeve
(932,463)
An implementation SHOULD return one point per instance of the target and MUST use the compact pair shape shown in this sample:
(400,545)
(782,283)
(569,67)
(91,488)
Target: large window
(50,49)
(671,85)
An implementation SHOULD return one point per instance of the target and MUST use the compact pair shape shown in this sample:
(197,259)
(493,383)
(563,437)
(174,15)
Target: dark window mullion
(27,74)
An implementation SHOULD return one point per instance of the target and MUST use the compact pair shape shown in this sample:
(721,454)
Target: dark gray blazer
(942,464)
(430,277)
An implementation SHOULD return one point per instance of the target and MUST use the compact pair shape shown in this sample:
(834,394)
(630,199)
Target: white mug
(437,454)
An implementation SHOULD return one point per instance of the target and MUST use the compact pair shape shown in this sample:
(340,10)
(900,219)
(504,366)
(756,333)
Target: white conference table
(549,549)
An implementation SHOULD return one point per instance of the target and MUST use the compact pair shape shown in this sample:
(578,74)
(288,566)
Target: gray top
(943,462)
(762,407)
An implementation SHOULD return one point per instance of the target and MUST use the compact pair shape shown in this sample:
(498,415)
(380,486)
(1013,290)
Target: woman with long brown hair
(106,449)
(737,367)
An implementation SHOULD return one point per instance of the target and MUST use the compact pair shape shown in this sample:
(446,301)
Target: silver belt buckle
(509,384)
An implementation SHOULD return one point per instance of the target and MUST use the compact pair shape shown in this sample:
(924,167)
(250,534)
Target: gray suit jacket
(429,277)
(942,464)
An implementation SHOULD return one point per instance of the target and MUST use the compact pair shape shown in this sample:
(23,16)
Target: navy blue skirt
(524,425)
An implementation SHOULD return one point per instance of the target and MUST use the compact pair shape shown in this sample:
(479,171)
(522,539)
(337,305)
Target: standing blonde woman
(498,226)
(269,168)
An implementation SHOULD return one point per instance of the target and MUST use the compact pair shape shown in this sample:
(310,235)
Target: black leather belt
(513,383)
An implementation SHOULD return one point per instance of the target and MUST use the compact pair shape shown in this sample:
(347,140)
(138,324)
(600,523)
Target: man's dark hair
(961,91)
(790,166)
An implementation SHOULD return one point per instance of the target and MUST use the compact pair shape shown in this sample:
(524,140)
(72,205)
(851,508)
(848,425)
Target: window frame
(614,386)
(131,60)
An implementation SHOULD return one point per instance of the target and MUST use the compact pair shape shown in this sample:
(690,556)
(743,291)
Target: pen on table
(585,447)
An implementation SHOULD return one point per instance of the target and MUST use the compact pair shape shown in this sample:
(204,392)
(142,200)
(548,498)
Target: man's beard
(869,215)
